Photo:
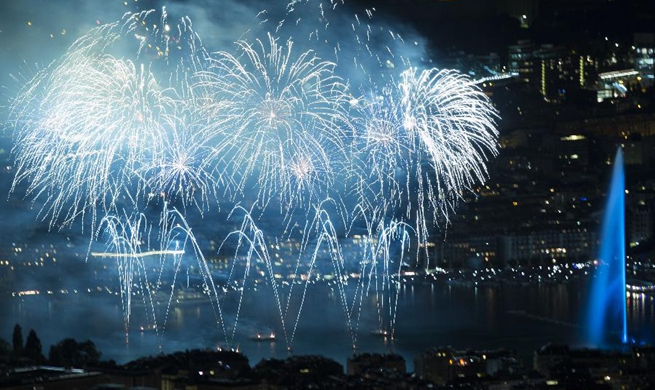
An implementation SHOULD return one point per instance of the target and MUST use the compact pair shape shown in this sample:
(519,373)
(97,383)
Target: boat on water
(147,328)
(381,332)
(263,337)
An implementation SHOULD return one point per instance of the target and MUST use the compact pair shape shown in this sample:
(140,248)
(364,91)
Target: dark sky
(37,31)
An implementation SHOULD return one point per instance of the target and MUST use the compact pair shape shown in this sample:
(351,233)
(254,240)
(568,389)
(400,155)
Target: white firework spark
(386,246)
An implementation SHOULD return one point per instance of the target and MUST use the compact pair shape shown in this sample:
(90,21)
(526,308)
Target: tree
(70,353)
(5,348)
(17,340)
(33,348)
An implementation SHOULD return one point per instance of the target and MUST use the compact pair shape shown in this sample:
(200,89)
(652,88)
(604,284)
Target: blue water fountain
(607,302)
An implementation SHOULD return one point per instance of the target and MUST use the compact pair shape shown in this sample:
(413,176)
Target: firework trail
(180,172)
(126,238)
(251,240)
(98,118)
(452,127)
(389,248)
(99,135)
(381,154)
(175,234)
(366,49)
(324,239)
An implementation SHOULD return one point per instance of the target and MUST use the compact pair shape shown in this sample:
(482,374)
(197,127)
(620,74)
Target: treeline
(66,353)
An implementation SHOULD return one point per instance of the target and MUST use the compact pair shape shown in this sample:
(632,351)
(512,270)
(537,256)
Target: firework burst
(452,128)
(280,118)
(424,141)
(92,121)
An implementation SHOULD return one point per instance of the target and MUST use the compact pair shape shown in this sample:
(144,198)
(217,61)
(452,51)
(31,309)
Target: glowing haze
(318,114)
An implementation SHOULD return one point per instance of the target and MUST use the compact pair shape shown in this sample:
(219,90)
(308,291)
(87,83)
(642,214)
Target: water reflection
(522,318)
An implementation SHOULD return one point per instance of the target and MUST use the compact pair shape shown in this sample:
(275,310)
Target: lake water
(522,318)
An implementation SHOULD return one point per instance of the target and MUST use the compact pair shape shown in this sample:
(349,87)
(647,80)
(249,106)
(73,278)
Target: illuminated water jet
(607,307)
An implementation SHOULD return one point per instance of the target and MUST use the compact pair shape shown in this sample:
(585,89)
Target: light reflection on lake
(519,318)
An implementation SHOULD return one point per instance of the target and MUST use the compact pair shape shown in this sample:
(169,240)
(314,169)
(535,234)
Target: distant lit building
(573,148)
(503,360)
(553,71)
(441,365)
(547,245)
(560,71)
(436,365)
(614,126)
(616,84)
(469,251)
(644,57)
(640,223)
(639,151)
(549,356)
(644,357)
(521,61)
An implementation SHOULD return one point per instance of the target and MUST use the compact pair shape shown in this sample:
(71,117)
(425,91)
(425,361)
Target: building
(548,245)
(643,51)
(640,223)
(436,365)
(471,251)
(556,72)
(548,356)
(359,364)
(442,365)
(521,61)
(614,126)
